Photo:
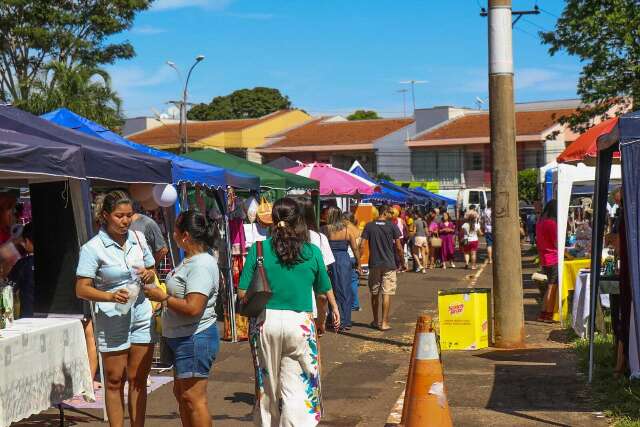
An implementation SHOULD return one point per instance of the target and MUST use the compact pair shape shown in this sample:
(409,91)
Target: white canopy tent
(567,176)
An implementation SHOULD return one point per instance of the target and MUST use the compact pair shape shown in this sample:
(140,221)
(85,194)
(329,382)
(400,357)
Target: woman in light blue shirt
(189,317)
(111,264)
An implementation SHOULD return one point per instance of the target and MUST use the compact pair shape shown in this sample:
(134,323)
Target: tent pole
(603,172)
(221,199)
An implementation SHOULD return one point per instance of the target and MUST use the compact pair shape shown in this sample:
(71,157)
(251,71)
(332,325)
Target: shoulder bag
(259,291)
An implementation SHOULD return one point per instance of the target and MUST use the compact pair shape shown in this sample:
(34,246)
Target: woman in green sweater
(283,337)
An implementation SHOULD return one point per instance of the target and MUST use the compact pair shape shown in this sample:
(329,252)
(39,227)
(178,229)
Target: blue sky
(334,56)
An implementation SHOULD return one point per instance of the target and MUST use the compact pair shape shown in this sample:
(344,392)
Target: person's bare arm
(85,290)
(160,254)
(192,305)
(400,252)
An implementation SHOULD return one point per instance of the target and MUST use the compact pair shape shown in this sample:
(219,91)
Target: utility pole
(507,267)
(182,104)
(404,101)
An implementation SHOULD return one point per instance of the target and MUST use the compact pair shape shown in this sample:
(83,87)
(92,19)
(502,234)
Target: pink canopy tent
(334,181)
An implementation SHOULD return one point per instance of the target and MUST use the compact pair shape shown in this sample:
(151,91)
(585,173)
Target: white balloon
(165,195)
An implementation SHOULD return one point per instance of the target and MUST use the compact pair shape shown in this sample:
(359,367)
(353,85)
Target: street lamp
(182,105)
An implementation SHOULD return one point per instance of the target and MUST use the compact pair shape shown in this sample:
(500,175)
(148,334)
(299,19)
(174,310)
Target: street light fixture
(182,105)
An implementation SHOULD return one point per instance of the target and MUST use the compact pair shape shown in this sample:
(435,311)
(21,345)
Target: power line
(534,24)
(549,13)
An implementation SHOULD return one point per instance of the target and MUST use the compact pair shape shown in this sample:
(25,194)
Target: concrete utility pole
(507,268)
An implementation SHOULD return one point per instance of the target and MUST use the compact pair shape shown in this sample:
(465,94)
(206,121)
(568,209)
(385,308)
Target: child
(22,274)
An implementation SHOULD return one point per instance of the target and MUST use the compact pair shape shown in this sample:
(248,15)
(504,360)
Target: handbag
(259,292)
(264,212)
(436,242)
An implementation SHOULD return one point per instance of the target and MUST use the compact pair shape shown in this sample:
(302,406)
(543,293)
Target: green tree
(83,89)
(528,189)
(241,104)
(35,33)
(605,35)
(363,115)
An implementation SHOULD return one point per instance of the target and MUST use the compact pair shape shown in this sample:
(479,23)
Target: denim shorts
(193,355)
(117,333)
(488,237)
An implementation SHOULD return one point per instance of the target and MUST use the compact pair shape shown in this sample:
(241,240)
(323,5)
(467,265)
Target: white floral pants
(285,354)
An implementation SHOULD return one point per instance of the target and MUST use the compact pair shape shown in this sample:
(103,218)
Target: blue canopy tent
(357,169)
(387,195)
(434,196)
(183,169)
(110,163)
(625,137)
(413,198)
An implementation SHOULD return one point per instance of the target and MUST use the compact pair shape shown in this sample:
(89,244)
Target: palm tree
(84,89)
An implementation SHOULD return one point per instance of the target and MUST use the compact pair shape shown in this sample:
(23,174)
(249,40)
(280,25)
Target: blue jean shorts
(117,333)
(193,355)
(488,237)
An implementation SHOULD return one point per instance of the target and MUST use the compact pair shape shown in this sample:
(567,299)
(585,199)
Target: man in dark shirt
(383,239)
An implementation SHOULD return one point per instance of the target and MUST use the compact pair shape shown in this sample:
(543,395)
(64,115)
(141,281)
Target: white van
(467,197)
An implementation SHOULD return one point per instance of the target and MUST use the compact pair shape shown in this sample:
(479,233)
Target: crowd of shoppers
(313,271)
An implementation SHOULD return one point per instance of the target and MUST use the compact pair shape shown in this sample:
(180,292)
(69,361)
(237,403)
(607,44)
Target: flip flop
(386,329)
(374,325)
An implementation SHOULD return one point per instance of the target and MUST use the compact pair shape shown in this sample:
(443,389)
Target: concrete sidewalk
(535,386)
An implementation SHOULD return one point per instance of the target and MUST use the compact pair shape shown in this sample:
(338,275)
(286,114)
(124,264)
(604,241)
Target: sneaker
(424,271)
(453,265)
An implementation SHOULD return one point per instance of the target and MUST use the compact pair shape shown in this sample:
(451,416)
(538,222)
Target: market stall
(186,172)
(621,142)
(47,357)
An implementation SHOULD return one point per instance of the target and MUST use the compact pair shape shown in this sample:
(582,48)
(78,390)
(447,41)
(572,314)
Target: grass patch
(616,396)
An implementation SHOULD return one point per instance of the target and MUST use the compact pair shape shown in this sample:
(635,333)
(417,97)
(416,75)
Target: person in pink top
(447,234)
(434,233)
(547,243)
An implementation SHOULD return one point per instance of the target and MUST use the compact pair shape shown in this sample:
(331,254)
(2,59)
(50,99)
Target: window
(474,161)
(443,166)
(474,197)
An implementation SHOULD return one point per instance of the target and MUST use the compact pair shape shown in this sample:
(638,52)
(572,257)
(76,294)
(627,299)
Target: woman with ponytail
(283,338)
(189,316)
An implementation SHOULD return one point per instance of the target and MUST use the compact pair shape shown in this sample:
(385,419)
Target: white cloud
(545,79)
(127,77)
(538,79)
(148,30)
(180,4)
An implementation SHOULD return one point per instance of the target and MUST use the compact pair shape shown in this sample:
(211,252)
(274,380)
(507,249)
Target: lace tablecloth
(42,363)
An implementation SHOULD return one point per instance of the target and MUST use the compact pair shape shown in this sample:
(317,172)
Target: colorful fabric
(547,241)
(287,368)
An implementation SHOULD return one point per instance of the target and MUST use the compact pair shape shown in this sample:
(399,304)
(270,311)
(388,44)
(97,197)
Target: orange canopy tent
(585,148)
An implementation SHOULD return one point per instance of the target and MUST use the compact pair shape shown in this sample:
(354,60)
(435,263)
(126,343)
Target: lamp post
(182,105)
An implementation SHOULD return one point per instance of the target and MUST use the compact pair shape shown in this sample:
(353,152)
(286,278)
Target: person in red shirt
(547,243)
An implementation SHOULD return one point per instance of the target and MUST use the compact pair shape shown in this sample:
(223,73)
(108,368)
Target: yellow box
(464,318)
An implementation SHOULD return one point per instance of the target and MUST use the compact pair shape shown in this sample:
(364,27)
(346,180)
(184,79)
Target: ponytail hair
(289,232)
(199,227)
(108,203)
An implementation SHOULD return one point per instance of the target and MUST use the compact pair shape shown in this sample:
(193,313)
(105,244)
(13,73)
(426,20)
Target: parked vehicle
(467,197)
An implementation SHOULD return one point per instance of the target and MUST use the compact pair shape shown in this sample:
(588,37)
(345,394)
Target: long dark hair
(551,210)
(308,211)
(289,232)
(199,227)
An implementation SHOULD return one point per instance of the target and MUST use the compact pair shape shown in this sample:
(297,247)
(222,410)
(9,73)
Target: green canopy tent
(270,178)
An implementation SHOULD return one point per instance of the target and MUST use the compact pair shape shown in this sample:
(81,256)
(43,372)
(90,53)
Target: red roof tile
(477,125)
(319,132)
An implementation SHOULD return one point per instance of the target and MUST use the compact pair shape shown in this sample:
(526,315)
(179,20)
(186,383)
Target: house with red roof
(453,146)
(379,145)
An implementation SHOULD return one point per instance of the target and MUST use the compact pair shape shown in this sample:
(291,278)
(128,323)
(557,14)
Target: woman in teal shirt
(283,338)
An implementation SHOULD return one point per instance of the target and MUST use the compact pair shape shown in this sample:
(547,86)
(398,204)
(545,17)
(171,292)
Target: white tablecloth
(582,301)
(42,363)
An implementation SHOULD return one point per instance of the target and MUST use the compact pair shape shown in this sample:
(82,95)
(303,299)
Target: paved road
(363,371)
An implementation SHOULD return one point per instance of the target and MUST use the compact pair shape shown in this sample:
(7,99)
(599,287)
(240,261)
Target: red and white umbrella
(334,181)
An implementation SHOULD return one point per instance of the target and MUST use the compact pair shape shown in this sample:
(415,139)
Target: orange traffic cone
(425,402)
